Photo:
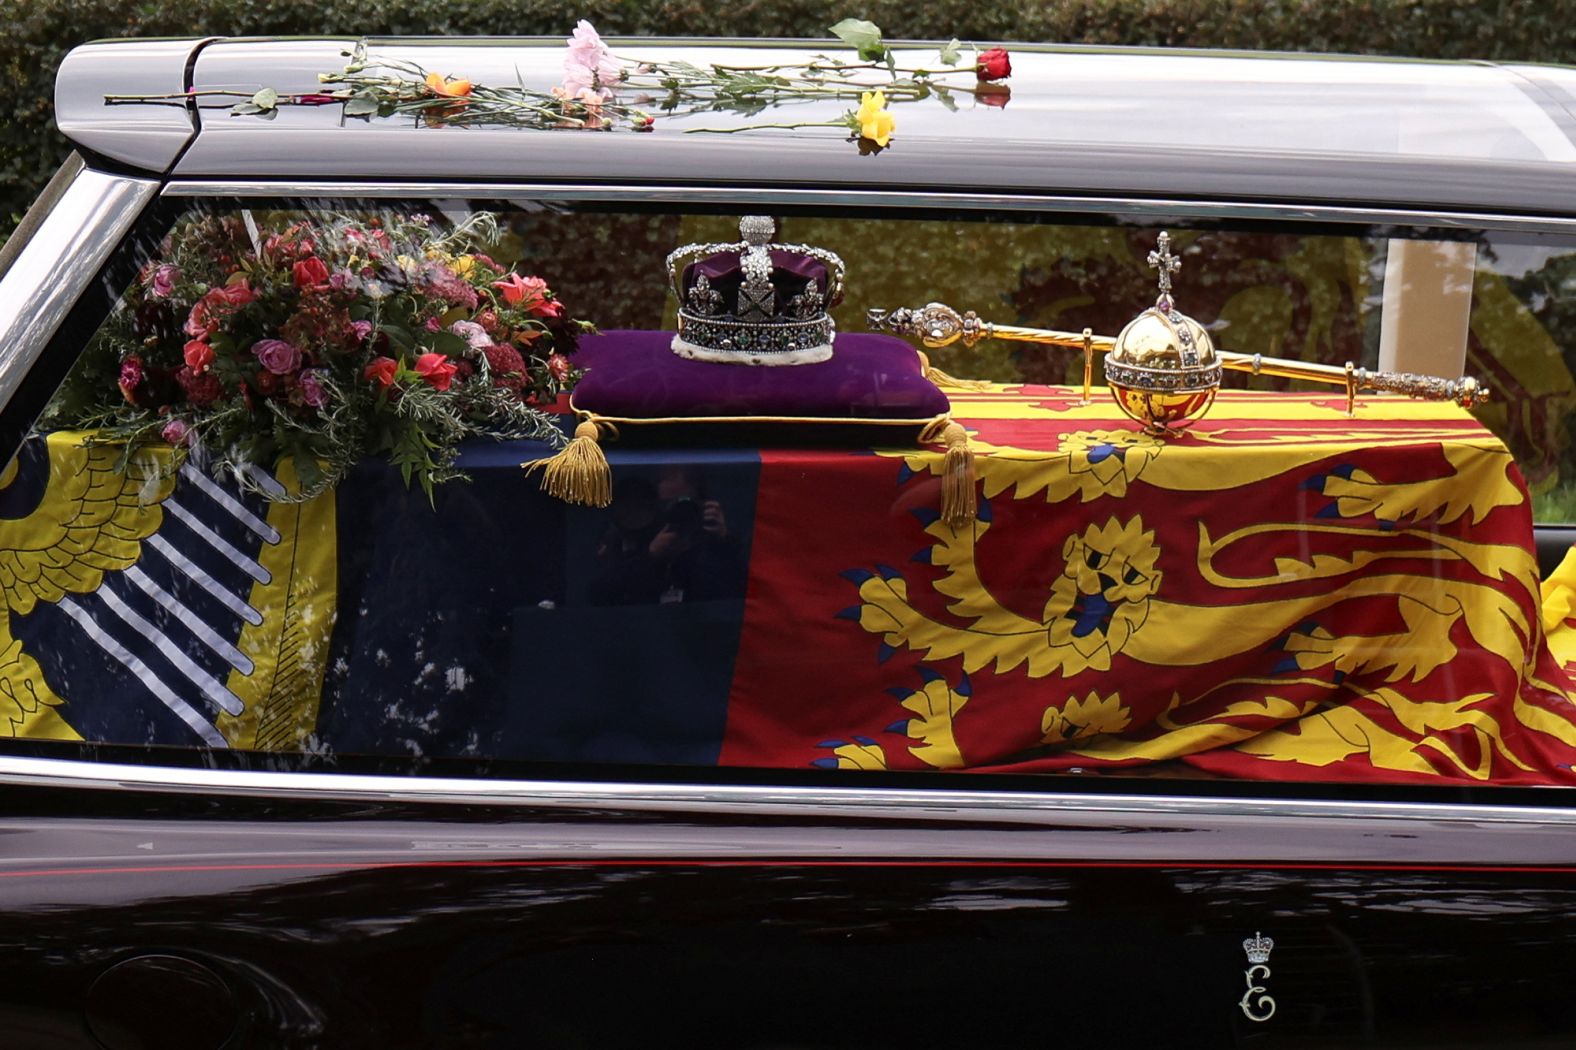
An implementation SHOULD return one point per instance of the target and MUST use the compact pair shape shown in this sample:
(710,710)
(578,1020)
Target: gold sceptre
(1163,368)
(938,324)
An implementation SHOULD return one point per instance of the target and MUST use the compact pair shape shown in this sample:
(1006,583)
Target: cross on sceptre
(1167,264)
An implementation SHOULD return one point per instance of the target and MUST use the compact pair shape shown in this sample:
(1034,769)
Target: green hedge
(36,33)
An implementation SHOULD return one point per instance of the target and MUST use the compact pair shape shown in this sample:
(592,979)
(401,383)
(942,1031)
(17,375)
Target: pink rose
(360,329)
(175,432)
(276,355)
(471,332)
(164,279)
(436,369)
(313,392)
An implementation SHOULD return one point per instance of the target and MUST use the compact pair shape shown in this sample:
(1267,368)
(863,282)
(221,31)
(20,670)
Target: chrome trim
(1153,209)
(938,803)
(53,269)
(42,205)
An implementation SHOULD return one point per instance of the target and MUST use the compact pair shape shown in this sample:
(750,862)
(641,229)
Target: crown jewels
(754,302)
(1258,948)
(1162,369)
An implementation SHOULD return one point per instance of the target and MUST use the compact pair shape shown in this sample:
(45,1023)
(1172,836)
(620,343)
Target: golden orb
(1163,370)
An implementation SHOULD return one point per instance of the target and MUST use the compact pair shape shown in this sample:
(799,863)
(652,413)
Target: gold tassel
(959,501)
(578,473)
(947,382)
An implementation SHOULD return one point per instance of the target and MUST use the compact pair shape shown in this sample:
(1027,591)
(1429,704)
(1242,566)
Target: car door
(160,894)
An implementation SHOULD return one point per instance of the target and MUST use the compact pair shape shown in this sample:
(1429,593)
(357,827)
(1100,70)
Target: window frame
(94,212)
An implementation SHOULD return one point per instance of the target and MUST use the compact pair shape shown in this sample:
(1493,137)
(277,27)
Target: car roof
(1080,121)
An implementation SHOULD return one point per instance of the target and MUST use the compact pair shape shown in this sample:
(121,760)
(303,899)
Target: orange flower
(524,292)
(448,87)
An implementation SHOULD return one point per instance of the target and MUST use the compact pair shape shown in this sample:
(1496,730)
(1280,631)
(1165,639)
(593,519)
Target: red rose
(381,371)
(993,64)
(997,95)
(237,294)
(436,369)
(309,272)
(198,323)
(199,355)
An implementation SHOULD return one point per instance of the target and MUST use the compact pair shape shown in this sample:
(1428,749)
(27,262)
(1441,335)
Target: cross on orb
(1168,264)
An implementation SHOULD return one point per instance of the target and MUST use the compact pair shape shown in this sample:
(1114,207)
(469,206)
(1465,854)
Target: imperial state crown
(754,302)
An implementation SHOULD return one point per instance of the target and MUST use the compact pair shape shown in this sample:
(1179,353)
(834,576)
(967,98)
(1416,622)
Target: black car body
(166,897)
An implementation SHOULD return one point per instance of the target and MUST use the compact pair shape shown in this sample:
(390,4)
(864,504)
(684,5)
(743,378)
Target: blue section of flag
(147,657)
(504,623)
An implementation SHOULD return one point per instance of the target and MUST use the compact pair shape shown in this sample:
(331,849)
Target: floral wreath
(326,341)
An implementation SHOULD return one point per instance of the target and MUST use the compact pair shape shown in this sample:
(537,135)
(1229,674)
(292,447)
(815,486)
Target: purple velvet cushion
(636,375)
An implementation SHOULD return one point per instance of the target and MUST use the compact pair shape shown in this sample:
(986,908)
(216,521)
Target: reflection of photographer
(666,543)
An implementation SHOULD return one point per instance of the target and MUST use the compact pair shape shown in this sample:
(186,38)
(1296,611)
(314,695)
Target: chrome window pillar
(49,273)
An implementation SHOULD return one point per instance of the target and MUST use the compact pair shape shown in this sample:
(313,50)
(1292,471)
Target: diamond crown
(1258,948)
(752,308)
(754,247)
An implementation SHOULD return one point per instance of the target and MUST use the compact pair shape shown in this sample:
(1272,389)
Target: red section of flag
(1316,609)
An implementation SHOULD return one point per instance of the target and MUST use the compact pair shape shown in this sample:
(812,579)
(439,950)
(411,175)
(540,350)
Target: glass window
(278,504)
(1524,343)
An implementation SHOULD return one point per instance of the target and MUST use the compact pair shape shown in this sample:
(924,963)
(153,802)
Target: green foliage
(38,33)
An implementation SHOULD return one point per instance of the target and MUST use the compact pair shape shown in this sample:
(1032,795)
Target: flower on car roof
(873,120)
(448,87)
(589,63)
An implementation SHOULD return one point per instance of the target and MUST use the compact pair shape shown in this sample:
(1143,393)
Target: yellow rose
(875,120)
